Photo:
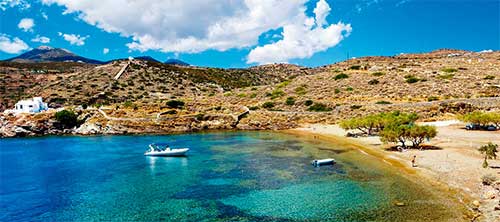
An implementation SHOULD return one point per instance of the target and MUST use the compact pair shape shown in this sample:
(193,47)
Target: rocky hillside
(143,80)
(436,76)
(436,84)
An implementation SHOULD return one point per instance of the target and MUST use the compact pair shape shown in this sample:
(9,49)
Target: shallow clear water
(236,176)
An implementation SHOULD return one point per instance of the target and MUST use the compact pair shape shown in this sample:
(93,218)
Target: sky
(243,33)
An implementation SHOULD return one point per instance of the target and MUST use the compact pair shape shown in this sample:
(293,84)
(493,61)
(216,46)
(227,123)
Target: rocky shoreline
(114,121)
(92,123)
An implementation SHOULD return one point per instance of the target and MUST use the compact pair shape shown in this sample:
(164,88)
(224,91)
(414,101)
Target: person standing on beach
(413,161)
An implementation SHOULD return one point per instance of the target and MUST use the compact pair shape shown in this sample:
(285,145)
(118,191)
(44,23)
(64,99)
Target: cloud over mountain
(26,24)
(192,26)
(74,39)
(41,39)
(12,45)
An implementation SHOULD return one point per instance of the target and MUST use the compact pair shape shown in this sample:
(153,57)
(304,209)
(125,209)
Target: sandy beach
(455,162)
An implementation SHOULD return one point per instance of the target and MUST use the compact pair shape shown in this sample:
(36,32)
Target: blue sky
(229,34)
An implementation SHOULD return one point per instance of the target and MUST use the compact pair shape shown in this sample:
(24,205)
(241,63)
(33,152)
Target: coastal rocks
(30,125)
(89,129)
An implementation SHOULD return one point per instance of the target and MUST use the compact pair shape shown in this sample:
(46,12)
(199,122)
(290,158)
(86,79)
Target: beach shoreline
(455,168)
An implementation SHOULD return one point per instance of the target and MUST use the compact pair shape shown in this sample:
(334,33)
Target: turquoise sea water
(227,176)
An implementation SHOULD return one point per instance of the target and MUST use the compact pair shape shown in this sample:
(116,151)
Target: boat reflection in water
(156,162)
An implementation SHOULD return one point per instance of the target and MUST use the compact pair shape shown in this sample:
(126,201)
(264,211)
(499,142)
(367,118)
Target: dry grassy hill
(366,84)
(279,96)
(435,76)
(77,84)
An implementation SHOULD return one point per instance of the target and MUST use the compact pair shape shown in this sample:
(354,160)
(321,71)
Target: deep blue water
(232,176)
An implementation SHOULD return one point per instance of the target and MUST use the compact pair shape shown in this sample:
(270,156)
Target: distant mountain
(144,58)
(176,62)
(49,54)
(147,58)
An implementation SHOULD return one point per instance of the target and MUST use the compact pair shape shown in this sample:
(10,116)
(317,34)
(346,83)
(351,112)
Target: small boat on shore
(155,150)
(318,163)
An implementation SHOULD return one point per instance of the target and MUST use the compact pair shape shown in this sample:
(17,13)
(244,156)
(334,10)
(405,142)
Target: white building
(33,105)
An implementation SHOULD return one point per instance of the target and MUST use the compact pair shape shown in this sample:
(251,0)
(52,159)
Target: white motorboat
(156,151)
(318,163)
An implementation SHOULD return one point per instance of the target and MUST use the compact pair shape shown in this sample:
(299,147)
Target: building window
(31,106)
(20,106)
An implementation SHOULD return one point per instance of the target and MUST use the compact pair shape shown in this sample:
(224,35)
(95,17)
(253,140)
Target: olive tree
(405,133)
(490,152)
(372,124)
(481,118)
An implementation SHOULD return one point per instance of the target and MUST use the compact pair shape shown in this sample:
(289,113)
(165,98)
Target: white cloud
(45,16)
(302,39)
(26,24)
(402,2)
(191,26)
(364,4)
(41,39)
(22,4)
(105,51)
(321,11)
(74,39)
(12,46)
(486,51)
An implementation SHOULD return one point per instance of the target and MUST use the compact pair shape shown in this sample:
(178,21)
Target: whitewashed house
(33,105)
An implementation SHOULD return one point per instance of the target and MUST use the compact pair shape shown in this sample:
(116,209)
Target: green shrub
(253,108)
(378,74)
(268,105)
(253,95)
(337,91)
(290,101)
(67,119)
(341,76)
(171,112)
(242,95)
(175,104)
(489,77)
(128,104)
(373,82)
(356,106)
(355,67)
(382,102)
(276,93)
(432,98)
(308,102)
(411,79)
(301,90)
(319,107)
(283,84)
(446,76)
(349,89)
(199,116)
(449,70)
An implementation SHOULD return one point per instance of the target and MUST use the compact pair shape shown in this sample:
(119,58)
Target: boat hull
(318,163)
(173,152)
